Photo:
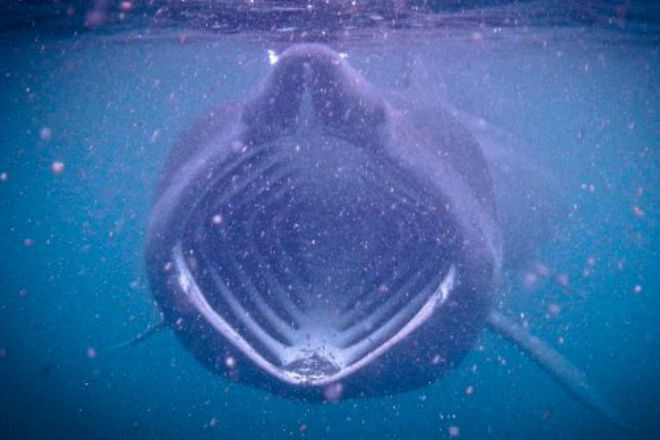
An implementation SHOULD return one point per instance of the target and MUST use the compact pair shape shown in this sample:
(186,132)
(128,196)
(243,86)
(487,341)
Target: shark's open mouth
(313,270)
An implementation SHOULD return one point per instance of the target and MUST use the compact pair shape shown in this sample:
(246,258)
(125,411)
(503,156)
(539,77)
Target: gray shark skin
(320,233)
(325,238)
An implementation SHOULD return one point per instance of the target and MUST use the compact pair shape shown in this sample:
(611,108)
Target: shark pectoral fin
(150,331)
(566,374)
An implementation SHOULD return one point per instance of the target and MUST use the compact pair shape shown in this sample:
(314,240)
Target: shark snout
(313,82)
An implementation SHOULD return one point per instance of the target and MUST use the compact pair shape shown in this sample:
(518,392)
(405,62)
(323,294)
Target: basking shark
(326,239)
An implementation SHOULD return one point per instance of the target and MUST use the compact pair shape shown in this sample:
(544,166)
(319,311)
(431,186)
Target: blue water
(581,102)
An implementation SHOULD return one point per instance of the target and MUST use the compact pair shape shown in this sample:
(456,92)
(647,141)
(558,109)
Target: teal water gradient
(584,103)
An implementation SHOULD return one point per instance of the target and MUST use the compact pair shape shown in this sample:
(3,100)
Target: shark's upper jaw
(312,258)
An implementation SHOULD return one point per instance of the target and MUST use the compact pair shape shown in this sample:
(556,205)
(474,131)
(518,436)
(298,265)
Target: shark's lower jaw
(316,351)
(314,270)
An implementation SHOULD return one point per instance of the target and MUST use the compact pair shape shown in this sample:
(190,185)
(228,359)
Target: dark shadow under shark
(323,235)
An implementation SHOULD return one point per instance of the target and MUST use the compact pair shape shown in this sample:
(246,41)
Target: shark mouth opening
(314,269)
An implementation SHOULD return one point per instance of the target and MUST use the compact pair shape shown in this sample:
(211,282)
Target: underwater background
(93,96)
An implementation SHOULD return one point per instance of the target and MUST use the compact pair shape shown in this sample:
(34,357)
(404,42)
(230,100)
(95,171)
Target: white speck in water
(562,280)
(238,146)
(530,281)
(273,58)
(334,392)
(589,187)
(476,37)
(155,136)
(45,134)
(554,310)
(125,6)
(57,167)
(541,270)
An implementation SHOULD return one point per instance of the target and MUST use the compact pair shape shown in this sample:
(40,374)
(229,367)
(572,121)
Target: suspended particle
(554,310)
(230,362)
(541,270)
(621,264)
(95,18)
(155,136)
(530,281)
(476,37)
(125,6)
(437,359)
(273,58)
(334,392)
(57,167)
(45,134)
